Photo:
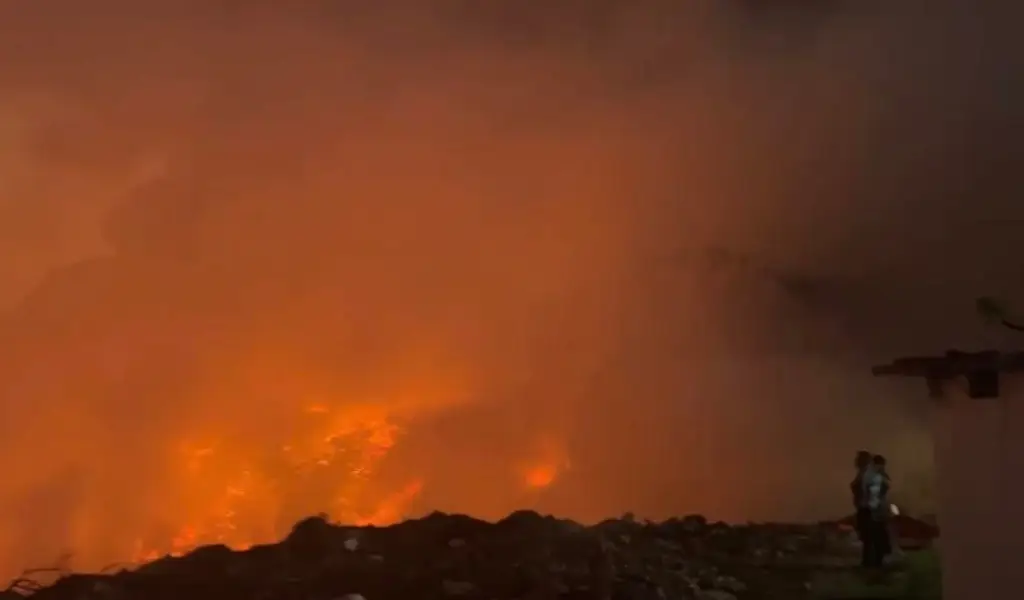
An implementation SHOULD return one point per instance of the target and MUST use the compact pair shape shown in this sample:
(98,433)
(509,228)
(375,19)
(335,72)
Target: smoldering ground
(660,243)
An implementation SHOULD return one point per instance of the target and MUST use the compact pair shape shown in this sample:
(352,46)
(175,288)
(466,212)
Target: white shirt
(874,488)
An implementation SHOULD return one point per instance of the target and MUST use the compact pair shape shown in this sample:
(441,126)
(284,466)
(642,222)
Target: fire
(240,499)
(392,508)
(218,484)
(541,476)
(552,463)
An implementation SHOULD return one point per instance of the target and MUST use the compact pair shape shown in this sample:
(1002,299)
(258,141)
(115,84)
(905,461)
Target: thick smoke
(664,241)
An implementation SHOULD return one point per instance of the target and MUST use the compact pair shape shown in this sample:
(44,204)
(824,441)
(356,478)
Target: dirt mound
(455,557)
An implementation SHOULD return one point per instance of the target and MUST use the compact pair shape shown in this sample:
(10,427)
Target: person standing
(878,503)
(859,490)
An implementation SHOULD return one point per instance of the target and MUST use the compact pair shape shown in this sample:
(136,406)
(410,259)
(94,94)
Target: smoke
(660,243)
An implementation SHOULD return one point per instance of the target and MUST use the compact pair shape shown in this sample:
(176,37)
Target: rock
(730,584)
(457,588)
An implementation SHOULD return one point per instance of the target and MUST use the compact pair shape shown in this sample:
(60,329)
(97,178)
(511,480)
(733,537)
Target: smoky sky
(670,236)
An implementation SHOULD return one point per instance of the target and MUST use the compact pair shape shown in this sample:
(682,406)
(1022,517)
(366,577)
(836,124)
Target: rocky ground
(454,557)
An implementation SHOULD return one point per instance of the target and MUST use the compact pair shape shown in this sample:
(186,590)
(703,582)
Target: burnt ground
(455,557)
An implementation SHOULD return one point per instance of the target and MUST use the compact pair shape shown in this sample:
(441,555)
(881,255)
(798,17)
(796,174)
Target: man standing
(859,490)
(877,490)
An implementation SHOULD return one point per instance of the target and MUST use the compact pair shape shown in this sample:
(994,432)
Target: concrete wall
(979,456)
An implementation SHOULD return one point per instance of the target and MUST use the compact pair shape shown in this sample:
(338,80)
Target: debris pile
(455,557)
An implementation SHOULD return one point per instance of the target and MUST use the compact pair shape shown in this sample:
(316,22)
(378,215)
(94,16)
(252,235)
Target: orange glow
(541,476)
(552,462)
(262,264)
(237,500)
(392,508)
(228,497)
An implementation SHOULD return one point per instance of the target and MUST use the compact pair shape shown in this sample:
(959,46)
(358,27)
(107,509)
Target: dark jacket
(858,488)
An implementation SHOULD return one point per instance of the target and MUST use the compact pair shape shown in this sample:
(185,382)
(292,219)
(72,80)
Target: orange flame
(392,508)
(227,495)
(544,472)
(235,496)
(541,476)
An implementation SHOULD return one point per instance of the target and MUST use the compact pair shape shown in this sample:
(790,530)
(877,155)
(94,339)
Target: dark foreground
(453,557)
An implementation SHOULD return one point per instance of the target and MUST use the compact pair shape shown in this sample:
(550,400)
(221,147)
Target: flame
(393,508)
(543,472)
(241,489)
(238,503)
(541,476)
(240,499)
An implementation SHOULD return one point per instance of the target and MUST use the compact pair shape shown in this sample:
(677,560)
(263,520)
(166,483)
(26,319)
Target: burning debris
(456,557)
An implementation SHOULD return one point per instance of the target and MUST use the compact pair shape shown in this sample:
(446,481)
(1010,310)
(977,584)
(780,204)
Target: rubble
(523,557)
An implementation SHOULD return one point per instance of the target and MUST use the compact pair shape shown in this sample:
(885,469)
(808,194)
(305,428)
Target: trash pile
(455,557)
